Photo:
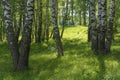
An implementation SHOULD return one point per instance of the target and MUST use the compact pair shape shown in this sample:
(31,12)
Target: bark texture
(110,26)
(10,33)
(20,53)
(26,36)
(92,24)
(102,24)
(54,9)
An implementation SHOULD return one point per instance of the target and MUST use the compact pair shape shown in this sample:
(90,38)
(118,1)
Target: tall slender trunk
(84,12)
(80,17)
(36,25)
(47,20)
(89,26)
(102,23)
(92,25)
(1,28)
(54,9)
(22,13)
(40,22)
(65,18)
(84,18)
(63,23)
(110,26)
(72,8)
(14,16)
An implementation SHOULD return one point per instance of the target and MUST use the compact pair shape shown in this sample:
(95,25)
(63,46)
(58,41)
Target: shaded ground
(79,62)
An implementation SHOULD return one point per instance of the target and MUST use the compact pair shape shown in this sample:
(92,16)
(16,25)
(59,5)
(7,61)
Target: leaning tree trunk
(110,26)
(65,18)
(102,25)
(54,9)
(92,24)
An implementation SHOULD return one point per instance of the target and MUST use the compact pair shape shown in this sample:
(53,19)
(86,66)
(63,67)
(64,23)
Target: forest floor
(78,62)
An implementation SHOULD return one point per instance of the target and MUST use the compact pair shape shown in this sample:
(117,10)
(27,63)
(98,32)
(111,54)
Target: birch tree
(54,12)
(65,16)
(19,51)
(92,24)
(102,24)
(110,26)
(47,21)
(40,22)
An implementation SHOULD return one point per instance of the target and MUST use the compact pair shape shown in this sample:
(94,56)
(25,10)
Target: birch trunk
(40,22)
(20,53)
(102,24)
(110,26)
(26,36)
(92,24)
(54,9)
(10,33)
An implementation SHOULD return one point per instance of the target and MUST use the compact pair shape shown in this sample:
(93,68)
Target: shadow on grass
(39,66)
(115,51)
(45,65)
(102,67)
(75,47)
(5,58)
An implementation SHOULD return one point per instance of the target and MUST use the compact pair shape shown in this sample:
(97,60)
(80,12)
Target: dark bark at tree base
(19,52)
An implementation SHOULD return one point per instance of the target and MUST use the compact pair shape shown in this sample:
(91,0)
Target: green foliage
(78,63)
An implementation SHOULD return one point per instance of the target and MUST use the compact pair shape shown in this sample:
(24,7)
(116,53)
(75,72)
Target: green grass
(78,63)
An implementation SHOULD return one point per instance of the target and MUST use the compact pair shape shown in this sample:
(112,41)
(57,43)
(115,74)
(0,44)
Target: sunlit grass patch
(78,62)
(77,32)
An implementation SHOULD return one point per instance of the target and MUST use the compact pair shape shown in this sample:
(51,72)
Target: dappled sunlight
(78,63)
(59,40)
(75,33)
(112,65)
